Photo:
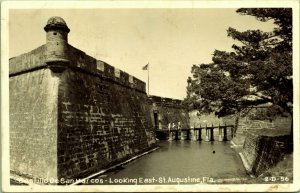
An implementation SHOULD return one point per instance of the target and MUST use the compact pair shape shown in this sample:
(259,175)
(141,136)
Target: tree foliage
(258,70)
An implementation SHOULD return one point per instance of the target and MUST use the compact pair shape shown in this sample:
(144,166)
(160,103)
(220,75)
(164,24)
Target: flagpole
(148,78)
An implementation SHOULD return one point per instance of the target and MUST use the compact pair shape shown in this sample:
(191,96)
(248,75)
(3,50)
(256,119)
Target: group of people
(173,126)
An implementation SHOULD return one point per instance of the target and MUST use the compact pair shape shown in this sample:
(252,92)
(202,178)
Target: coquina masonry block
(262,152)
(168,112)
(70,114)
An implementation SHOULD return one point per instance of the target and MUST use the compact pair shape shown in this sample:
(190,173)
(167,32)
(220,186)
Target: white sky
(171,40)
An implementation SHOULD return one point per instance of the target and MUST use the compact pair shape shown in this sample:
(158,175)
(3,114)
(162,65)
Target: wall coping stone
(36,60)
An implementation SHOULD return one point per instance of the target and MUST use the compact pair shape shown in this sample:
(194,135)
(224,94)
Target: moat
(180,162)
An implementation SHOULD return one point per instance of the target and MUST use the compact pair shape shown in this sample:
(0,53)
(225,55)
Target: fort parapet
(70,114)
(76,60)
(169,102)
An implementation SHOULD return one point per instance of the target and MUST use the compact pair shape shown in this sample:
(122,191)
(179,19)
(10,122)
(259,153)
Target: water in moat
(180,162)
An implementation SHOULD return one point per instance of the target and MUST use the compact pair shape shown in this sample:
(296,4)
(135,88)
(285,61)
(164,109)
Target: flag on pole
(145,67)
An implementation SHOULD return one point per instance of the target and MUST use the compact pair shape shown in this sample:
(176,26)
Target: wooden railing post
(225,133)
(200,134)
(212,132)
(176,133)
(220,133)
(206,133)
(188,134)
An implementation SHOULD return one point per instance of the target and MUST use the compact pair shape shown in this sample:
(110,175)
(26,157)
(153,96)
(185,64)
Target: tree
(257,71)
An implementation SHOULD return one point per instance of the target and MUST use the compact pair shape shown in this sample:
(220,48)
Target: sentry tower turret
(56,41)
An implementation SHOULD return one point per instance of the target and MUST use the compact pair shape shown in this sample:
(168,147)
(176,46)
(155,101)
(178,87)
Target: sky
(170,40)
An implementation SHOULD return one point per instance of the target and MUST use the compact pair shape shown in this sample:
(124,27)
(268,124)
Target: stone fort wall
(70,114)
(251,119)
(262,151)
(168,112)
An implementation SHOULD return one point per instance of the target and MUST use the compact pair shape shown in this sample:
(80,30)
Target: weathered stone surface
(99,123)
(70,114)
(264,152)
(33,123)
(169,112)
(34,59)
(248,123)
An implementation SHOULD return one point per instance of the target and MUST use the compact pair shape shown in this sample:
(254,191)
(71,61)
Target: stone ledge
(246,164)
(114,166)
(37,59)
